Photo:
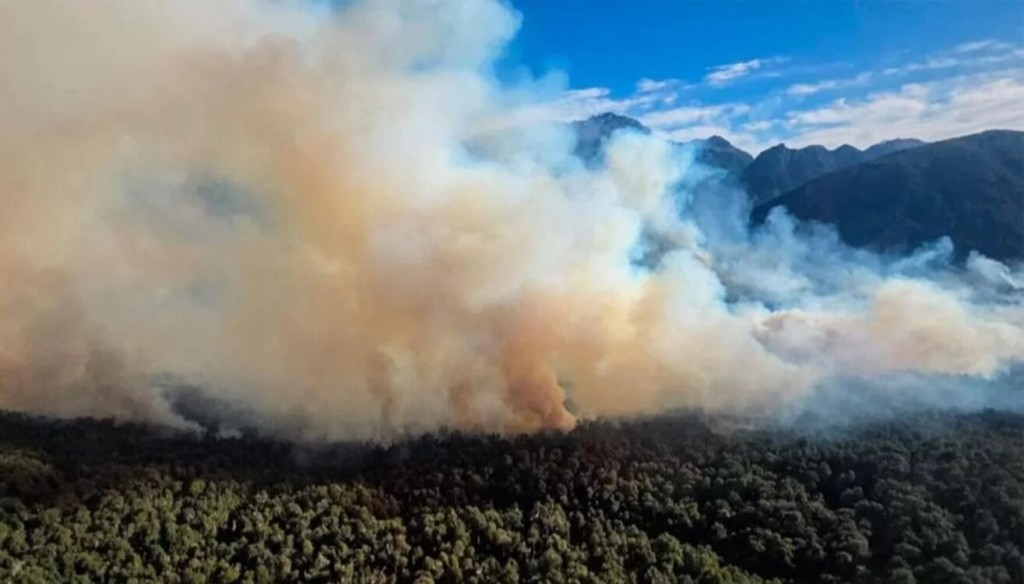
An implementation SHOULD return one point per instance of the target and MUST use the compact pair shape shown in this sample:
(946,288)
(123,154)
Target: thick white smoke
(315,214)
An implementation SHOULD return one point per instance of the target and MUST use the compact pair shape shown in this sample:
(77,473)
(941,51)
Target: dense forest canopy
(936,498)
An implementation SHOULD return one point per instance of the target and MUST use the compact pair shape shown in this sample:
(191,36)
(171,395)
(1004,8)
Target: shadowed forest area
(934,499)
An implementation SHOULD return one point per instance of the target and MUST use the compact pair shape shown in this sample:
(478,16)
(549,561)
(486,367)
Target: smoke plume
(322,214)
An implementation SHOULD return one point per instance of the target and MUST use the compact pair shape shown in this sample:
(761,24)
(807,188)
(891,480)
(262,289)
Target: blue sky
(760,72)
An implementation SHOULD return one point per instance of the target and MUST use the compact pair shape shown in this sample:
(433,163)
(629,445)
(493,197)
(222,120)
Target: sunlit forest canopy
(935,498)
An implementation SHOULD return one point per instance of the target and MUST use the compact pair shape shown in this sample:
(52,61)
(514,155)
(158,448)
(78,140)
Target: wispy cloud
(650,85)
(931,64)
(758,126)
(930,111)
(703,131)
(578,104)
(975,54)
(964,89)
(804,89)
(726,74)
(678,116)
(695,120)
(982,45)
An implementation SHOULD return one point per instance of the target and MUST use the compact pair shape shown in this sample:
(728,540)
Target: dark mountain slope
(970,189)
(593,132)
(718,152)
(890,146)
(780,168)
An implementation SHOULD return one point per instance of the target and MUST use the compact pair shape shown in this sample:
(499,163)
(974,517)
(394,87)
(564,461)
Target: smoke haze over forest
(338,222)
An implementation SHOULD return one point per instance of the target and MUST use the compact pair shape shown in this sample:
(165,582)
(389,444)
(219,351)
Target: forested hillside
(936,499)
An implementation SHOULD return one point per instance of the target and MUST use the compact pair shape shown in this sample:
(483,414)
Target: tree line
(935,499)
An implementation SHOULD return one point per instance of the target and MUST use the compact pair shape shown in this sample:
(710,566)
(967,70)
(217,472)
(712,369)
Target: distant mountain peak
(610,122)
(593,132)
(717,152)
(902,141)
(894,145)
(615,116)
(719,142)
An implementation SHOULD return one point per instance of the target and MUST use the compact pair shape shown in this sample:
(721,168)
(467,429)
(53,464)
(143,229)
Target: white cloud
(588,93)
(982,45)
(966,56)
(650,85)
(964,93)
(928,65)
(697,121)
(759,126)
(741,140)
(929,111)
(908,102)
(811,88)
(578,104)
(725,74)
(804,89)
(670,118)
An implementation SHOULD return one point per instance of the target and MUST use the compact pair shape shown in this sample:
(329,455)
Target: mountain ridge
(893,195)
(967,188)
(593,133)
(780,169)
(772,172)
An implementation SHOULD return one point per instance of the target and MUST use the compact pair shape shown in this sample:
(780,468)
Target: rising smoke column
(315,214)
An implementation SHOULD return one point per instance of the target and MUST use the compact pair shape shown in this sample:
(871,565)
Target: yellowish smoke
(311,213)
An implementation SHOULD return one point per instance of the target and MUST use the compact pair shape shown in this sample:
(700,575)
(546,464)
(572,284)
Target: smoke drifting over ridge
(322,217)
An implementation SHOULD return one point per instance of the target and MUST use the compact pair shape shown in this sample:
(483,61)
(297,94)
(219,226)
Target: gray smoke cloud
(325,218)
